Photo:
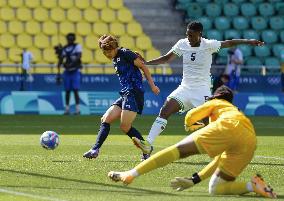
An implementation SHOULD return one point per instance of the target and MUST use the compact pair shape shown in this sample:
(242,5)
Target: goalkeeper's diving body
(229,138)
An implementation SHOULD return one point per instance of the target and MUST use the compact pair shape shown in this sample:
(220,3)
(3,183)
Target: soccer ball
(49,140)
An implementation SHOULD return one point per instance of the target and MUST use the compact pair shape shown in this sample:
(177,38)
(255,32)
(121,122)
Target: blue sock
(134,133)
(102,135)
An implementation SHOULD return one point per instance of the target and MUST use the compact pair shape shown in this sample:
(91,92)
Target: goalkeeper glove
(181,183)
(197,125)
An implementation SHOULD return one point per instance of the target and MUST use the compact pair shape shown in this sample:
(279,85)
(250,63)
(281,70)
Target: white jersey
(76,49)
(196,61)
(231,66)
(27,57)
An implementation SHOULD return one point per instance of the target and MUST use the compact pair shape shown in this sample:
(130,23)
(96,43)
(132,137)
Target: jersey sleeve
(31,56)
(176,49)
(63,54)
(199,112)
(129,55)
(239,54)
(78,48)
(214,45)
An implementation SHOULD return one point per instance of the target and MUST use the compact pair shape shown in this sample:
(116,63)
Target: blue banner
(47,82)
(43,102)
(260,104)
(258,83)
(167,83)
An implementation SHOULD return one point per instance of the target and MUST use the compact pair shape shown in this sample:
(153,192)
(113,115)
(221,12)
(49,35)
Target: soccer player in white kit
(26,75)
(196,81)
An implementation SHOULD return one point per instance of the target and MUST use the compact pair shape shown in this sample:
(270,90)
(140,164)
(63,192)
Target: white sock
(78,108)
(158,126)
(67,108)
(249,187)
(133,173)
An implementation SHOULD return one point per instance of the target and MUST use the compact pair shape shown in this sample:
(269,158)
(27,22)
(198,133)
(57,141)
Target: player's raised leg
(127,118)
(112,114)
(183,149)
(170,107)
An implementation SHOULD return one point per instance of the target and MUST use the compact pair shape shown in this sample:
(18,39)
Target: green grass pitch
(28,172)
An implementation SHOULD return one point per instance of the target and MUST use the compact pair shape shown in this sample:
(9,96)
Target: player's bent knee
(213,183)
(165,113)
(104,117)
(125,127)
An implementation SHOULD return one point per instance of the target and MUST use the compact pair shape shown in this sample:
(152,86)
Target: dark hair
(223,92)
(195,26)
(71,36)
(226,76)
(108,42)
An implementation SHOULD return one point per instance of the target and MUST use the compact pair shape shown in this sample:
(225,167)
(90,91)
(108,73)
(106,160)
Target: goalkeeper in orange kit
(229,137)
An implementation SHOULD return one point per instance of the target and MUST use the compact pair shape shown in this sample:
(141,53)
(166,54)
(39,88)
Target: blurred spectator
(233,68)
(26,75)
(71,59)
(219,81)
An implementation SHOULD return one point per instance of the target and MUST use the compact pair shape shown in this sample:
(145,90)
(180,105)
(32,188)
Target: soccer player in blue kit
(71,60)
(127,65)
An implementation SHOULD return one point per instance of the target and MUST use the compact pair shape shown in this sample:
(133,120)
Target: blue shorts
(72,80)
(132,101)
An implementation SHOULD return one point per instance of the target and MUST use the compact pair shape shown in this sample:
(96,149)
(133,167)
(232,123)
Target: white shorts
(190,98)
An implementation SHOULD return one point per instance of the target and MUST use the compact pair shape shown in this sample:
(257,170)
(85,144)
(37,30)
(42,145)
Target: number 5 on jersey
(192,58)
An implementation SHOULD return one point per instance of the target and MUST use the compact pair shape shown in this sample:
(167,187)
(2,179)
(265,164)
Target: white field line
(2,190)
(270,157)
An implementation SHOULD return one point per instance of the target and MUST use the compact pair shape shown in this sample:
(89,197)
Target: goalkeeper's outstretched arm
(182,183)
(198,113)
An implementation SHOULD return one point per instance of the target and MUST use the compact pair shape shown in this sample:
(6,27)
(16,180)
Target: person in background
(71,60)
(26,75)
(233,68)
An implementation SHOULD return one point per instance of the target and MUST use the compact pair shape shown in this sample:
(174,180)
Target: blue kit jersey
(130,78)
(129,75)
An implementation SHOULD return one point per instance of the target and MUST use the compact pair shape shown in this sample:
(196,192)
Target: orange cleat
(125,177)
(261,188)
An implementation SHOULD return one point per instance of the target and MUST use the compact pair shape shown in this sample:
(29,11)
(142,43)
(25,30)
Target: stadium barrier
(87,69)
(99,82)
(52,102)
(155,69)
(260,94)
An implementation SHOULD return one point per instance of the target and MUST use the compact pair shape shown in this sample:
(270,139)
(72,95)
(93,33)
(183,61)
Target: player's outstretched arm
(140,64)
(162,59)
(234,42)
